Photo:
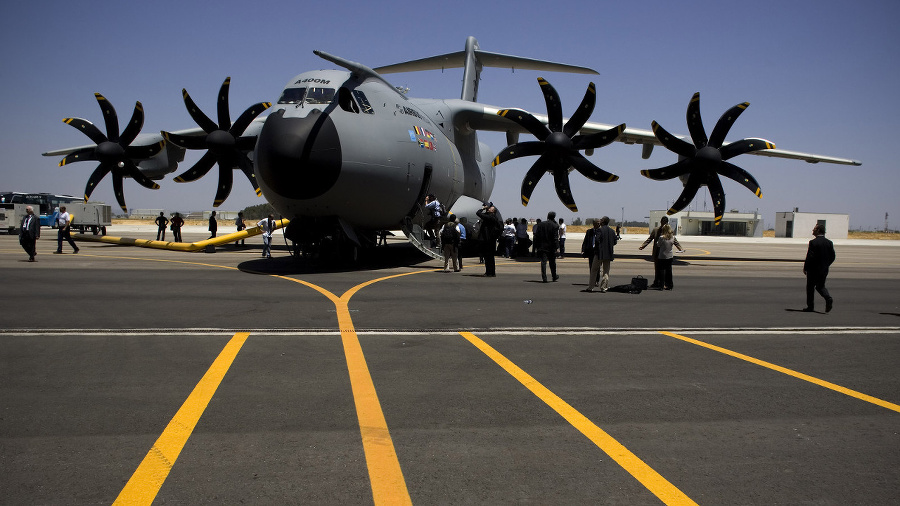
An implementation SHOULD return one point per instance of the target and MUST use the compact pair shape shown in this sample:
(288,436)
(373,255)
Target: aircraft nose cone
(299,158)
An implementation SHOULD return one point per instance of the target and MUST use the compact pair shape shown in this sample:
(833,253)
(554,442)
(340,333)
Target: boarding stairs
(417,237)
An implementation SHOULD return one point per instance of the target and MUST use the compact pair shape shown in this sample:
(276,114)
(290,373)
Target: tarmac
(138,375)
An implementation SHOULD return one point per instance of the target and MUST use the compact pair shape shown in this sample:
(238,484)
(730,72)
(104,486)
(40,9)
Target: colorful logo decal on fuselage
(423,137)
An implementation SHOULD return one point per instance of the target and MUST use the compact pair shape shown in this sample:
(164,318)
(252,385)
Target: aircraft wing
(484,117)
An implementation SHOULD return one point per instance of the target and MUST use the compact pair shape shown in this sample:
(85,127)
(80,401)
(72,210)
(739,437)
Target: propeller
(558,145)
(113,151)
(705,160)
(223,141)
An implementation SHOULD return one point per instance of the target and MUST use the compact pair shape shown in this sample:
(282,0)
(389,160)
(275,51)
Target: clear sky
(820,77)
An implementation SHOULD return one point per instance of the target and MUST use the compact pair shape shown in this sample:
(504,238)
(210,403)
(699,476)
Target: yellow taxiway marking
(789,372)
(153,470)
(655,483)
(385,475)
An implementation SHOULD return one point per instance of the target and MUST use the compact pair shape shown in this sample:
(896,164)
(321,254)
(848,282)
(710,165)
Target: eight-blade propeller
(224,143)
(113,151)
(705,160)
(558,145)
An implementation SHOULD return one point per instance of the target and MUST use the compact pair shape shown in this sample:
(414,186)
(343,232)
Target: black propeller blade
(223,141)
(558,145)
(113,151)
(705,160)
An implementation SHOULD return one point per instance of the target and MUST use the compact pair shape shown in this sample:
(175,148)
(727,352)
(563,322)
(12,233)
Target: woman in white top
(665,241)
(508,237)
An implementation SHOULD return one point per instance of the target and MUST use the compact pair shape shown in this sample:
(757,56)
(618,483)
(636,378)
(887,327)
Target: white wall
(837,226)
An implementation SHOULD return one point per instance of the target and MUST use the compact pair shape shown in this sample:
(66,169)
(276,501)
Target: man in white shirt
(268,226)
(63,222)
(562,238)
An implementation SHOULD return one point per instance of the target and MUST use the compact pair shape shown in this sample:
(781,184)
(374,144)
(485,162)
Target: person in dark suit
(604,241)
(819,258)
(587,248)
(161,223)
(488,233)
(654,235)
(546,242)
(213,225)
(177,223)
(29,233)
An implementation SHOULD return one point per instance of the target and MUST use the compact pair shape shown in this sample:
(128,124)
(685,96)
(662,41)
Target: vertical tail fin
(472,72)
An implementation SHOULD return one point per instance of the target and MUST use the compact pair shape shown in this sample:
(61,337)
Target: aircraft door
(423,190)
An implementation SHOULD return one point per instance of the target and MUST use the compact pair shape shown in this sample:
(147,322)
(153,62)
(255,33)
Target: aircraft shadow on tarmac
(377,258)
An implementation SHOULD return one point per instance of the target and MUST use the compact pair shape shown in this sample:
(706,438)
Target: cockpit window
(292,96)
(307,96)
(319,95)
(363,102)
(345,100)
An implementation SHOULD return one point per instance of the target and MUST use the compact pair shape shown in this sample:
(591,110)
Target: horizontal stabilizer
(487,59)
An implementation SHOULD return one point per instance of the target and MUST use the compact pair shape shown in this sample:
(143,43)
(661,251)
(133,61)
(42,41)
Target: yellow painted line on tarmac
(153,470)
(789,372)
(655,483)
(385,474)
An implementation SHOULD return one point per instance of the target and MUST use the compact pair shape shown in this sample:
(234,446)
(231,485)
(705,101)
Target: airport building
(703,223)
(797,224)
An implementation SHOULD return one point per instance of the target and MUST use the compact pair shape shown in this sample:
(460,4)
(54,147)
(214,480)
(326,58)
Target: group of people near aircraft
(493,236)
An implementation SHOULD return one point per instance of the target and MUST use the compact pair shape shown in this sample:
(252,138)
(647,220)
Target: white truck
(93,217)
(11,217)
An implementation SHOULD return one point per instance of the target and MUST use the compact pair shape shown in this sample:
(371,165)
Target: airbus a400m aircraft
(343,153)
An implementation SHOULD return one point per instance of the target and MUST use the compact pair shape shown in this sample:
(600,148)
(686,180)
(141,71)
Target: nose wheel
(324,243)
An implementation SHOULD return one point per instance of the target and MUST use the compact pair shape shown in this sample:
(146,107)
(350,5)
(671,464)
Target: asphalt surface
(226,378)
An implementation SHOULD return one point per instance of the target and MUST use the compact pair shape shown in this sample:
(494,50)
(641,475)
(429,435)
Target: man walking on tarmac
(63,222)
(546,243)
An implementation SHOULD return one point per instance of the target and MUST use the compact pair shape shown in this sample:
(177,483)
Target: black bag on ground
(629,288)
(640,282)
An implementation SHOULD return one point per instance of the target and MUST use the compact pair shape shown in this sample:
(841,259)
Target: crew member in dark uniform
(819,258)
(162,222)
(491,226)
